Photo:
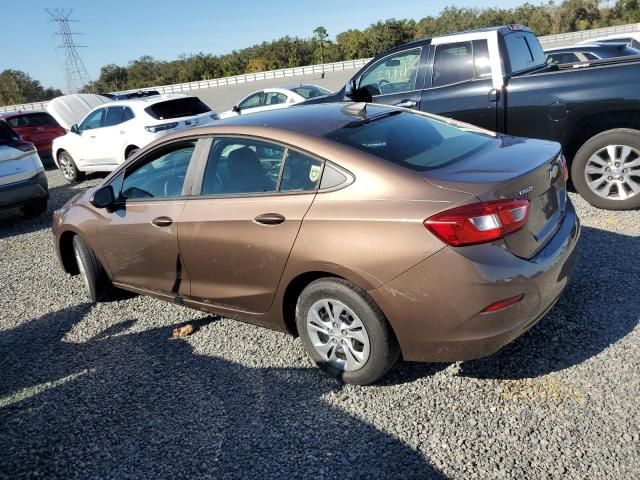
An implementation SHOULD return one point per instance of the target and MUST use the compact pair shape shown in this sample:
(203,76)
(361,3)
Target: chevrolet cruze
(371,232)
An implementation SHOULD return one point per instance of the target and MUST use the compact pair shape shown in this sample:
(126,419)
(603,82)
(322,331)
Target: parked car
(630,38)
(366,230)
(498,79)
(274,98)
(23,182)
(111,133)
(588,53)
(38,128)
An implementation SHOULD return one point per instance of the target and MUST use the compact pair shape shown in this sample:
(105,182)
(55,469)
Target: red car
(38,128)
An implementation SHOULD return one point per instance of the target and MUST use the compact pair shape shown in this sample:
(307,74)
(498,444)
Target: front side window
(562,58)
(93,120)
(453,63)
(411,140)
(160,175)
(394,74)
(252,101)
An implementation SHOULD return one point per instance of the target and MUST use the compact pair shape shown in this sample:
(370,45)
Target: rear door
(464,82)
(139,237)
(237,230)
(396,79)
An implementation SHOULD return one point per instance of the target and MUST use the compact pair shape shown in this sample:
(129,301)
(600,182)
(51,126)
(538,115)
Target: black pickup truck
(498,79)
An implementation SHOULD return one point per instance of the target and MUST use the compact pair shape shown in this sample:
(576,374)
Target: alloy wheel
(613,172)
(338,335)
(66,166)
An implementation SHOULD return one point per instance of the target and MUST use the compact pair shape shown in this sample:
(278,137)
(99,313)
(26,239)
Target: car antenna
(358,109)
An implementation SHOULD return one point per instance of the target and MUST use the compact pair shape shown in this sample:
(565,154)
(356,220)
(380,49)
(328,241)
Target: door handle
(407,104)
(162,221)
(269,219)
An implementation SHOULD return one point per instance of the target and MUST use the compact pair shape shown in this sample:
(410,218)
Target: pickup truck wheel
(606,170)
(68,168)
(344,332)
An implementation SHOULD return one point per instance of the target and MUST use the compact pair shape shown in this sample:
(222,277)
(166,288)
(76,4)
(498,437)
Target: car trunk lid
(514,168)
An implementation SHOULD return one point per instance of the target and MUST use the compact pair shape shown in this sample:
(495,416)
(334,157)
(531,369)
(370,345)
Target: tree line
(285,52)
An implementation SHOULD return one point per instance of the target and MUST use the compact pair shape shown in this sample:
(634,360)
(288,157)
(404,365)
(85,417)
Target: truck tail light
(479,222)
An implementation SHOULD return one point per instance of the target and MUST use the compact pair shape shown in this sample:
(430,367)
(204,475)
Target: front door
(86,152)
(139,238)
(237,232)
(396,79)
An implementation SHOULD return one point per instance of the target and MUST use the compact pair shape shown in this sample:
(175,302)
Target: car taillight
(479,222)
(23,146)
(163,126)
(565,167)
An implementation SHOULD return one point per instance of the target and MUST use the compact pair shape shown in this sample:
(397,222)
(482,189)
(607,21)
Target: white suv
(22,179)
(111,133)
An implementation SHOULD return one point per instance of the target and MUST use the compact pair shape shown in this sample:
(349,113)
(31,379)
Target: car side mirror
(236,109)
(75,129)
(362,94)
(103,197)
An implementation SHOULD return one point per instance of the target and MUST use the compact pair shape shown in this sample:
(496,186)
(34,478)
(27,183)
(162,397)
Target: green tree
(18,87)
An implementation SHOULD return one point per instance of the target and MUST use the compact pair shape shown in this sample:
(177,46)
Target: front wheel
(606,170)
(68,168)
(96,283)
(344,332)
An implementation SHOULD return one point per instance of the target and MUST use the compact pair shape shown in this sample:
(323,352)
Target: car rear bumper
(20,193)
(435,307)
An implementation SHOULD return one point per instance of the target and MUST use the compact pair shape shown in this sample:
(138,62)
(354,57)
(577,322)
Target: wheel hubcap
(83,273)
(613,172)
(338,335)
(66,166)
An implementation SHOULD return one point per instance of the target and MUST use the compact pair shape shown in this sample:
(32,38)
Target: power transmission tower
(75,71)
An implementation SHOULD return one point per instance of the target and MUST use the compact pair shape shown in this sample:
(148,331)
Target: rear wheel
(606,170)
(344,332)
(68,168)
(96,283)
(35,208)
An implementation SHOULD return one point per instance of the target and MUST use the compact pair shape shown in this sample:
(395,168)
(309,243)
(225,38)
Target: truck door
(463,83)
(396,79)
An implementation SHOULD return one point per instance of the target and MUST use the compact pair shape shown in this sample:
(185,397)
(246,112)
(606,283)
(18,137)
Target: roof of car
(315,119)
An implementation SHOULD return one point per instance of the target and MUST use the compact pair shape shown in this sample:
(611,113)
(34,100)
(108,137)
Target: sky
(117,31)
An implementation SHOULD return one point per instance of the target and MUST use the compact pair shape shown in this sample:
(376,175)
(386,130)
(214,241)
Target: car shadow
(600,306)
(129,403)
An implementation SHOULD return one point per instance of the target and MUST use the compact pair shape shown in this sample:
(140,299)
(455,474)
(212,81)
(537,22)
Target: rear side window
(301,173)
(310,91)
(32,120)
(453,63)
(274,98)
(179,107)
(114,116)
(411,140)
(524,51)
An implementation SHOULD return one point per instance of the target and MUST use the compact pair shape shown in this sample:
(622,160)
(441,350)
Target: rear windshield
(31,120)
(310,91)
(6,134)
(524,51)
(179,107)
(411,140)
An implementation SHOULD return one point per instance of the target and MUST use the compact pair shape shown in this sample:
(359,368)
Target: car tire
(35,208)
(132,152)
(68,168)
(97,285)
(600,186)
(347,353)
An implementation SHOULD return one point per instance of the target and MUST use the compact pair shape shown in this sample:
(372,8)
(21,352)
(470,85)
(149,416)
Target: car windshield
(179,107)
(411,140)
(310,91)
(6,134)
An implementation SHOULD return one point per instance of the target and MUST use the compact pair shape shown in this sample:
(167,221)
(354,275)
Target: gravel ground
(90,391)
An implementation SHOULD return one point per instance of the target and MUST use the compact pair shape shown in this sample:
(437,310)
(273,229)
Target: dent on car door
(461,84)
(237,232)
(138,237)
(396,79)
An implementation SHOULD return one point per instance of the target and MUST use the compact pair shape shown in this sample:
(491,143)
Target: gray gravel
(104,391)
